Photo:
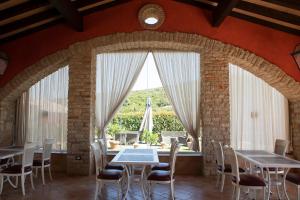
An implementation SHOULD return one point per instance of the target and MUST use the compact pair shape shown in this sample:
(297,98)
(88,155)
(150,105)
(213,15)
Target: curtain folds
(180,76)
(258,112)
(42,111)
(116,75)
(21,119)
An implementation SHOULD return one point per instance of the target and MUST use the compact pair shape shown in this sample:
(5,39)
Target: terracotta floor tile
(65,187)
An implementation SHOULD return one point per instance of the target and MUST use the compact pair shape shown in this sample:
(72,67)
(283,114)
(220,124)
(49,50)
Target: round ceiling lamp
(151,16)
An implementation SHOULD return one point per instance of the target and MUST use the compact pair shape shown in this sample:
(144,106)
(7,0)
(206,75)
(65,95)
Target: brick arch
(260,67)
(82,54)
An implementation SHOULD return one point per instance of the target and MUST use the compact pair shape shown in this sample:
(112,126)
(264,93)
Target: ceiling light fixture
(151,16)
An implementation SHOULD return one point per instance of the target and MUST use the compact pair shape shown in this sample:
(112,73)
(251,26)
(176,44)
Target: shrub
(150,137)
(162,121)
(113,129)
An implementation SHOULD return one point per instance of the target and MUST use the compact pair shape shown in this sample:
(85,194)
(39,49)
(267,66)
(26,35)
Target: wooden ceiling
(22,17)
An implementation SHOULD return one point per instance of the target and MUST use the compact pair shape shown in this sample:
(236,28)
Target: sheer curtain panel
(258,112)
(115,76)
(21,119)
(48,109)
(180,76)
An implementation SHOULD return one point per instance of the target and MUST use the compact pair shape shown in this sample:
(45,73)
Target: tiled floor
(82,188)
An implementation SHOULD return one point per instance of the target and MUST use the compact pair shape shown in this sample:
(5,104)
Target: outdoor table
(266,160)
(133,157)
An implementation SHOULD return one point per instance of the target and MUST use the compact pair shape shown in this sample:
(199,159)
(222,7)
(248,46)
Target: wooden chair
(104,176)
(45,161)
(163,176)
(244,181)
(223,169)
(21,170)
(166,165)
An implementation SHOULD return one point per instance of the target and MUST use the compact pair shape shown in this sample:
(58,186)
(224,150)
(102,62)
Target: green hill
(136,101)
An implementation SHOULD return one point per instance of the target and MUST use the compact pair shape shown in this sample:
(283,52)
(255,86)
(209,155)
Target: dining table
(136,157)
(266,160)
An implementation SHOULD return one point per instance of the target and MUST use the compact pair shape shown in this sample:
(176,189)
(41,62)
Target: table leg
(284,182)
(269,182)
(128,181)
(143,183)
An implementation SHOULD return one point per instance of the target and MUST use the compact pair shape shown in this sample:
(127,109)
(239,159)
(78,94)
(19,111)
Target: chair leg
(1,184)
(50,175)
(23,184)
(298,192)
(36,172)
(218,179)
(233,192)
(238,191)
(31,180)
(119,191)
(16,183)
(222,182)
(150,190)
(172,190)
(43,174)
(97,190)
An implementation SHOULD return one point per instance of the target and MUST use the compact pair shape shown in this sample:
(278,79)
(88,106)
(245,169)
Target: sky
(148,77)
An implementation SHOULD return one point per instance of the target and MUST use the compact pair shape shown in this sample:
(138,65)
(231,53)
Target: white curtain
(21,119)
(115,76)
(48,109)
(180,76)
(258,112)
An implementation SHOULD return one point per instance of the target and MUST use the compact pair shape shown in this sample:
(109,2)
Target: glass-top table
(266,160)
(133,157)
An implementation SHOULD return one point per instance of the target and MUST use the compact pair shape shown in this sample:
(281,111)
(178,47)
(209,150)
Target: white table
(133,157)
(264,159)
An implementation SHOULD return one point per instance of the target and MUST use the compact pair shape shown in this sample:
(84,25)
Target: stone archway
(80,56)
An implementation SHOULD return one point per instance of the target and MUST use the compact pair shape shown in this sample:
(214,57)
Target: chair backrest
(173,158)
(234,164)
(47,150)
(281,147)
(28,154)
(97,155)
(173,145)
(219,153)
(103,151)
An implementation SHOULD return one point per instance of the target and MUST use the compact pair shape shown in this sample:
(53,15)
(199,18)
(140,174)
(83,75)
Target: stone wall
(294,113)
(215,57)
(214,105)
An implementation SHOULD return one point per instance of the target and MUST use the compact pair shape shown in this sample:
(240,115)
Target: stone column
(80,114)
(294,113)
(215,109)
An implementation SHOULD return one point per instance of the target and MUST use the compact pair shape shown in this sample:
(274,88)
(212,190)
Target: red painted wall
(274,46)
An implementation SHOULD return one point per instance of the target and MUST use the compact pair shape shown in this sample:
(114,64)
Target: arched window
(42,111)
(258,112)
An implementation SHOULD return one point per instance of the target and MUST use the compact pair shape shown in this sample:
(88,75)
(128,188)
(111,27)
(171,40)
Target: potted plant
(150,137)
(112,130)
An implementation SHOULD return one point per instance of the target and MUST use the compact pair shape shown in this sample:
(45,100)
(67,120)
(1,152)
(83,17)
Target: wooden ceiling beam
(209,5)
(69,12)
(268,12)
(28,21)
(266,23)
(223,9)
(27,6)
(294,4)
